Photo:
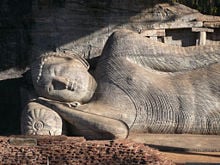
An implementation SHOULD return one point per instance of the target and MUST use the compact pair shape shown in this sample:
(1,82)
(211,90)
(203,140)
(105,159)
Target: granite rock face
(14,31)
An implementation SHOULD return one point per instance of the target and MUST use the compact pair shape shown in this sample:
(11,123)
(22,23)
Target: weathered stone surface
(85,26)
(23,141)
(153,33)
(76,150)
(143,86)
(212,24)
(159,88)
(177,25)
(202,30)
(14,32)
(82,26)
(63,77)
(29,29)
(12,73)
(40,120)
(179,142)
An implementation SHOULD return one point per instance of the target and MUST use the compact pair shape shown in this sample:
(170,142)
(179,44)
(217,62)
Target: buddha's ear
(60,83)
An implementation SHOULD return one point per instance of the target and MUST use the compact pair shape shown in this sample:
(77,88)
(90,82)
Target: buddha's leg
(38,119)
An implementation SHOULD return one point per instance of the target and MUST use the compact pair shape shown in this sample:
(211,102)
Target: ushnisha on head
(63,76)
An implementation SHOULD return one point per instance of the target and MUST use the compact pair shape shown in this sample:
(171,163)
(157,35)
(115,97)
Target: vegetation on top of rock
(204,6)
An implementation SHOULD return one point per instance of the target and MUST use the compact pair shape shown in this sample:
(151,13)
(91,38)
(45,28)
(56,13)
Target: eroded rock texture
(70,150)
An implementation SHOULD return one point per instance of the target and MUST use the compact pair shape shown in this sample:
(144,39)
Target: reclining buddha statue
(139,86)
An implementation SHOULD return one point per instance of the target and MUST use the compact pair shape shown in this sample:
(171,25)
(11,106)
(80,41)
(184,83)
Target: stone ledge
(23,141)
(179,142)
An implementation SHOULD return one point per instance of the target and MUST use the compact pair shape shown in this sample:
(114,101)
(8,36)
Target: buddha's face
(64,79)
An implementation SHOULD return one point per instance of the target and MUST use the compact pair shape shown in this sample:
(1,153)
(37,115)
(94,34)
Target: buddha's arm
(90,119)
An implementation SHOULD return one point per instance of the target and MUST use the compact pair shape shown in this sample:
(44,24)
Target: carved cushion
(38,119)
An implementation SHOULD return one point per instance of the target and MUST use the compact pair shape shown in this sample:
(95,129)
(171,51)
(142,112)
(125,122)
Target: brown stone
(23,141)
(76,150)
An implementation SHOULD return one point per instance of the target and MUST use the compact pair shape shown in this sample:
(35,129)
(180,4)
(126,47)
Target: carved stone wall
(15,44)
(84,26)
(14,33)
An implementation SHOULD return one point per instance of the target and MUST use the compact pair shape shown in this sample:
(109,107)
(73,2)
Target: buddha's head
(63,77)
